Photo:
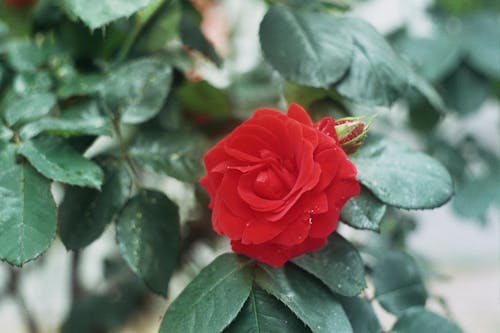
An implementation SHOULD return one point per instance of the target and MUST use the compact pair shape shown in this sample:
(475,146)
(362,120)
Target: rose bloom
(277,184)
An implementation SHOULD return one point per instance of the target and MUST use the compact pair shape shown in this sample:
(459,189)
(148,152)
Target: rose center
(268,184)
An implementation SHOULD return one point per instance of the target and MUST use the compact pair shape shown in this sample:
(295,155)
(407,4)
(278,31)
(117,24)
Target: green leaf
(137,89)
(364,211)
(5,133)
(418,320)
(97,13)
(338,265)
(402,177)
(306,296)
(475,196)
(201,98)
(308,48)
(213,299)
(398,284)
(29,107)
(361,315)
(423,53)
(480,42)
(80,85)
(147,232)
(191,35)
(25,55)
(27,213)
(57,160)
(84,213)
(175,154)
(301,95)
(161,28)
(81,119)
(264,313)
(28,83)
(377,76)
(465,90)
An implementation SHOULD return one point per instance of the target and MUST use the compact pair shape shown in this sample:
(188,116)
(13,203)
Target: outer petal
(294,234)
(296,112)
(276,255)
(260,231)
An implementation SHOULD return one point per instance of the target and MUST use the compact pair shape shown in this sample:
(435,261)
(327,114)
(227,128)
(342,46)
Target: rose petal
(297,113)
(260,231)
(274,254)
(329,161)
(245,189)
(229,194)
(294,234)
(322,225)
(231,225)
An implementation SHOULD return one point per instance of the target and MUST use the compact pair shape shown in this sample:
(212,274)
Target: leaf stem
(124,152)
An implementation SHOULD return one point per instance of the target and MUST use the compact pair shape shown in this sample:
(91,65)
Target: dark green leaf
(191,35)
(306,296)
(81,119)
(29,107)
(308,48)
(377,75)
(465,90)
(137,90)
(96,13)
(361,315)
(27,213)
(84,213)
(201,98)
(338,265)
(147,232)
(418,320)
(175,154)
(213,299)
(423,116)
(398,284)
(401,176)
(57,160)
(480,41)
(364,211)
(263,313)
(418,85)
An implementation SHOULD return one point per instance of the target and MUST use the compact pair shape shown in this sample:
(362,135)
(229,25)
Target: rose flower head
(277,184)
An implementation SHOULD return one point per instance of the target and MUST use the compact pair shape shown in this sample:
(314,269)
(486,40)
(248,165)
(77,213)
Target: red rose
(277,184)
(20,3)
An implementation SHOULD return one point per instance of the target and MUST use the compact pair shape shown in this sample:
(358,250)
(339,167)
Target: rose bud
(277,184)
(350,132)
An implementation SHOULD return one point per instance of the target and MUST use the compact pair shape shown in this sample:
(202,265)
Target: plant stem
(76,287)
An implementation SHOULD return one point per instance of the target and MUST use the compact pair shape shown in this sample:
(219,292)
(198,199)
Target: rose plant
(102,102)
